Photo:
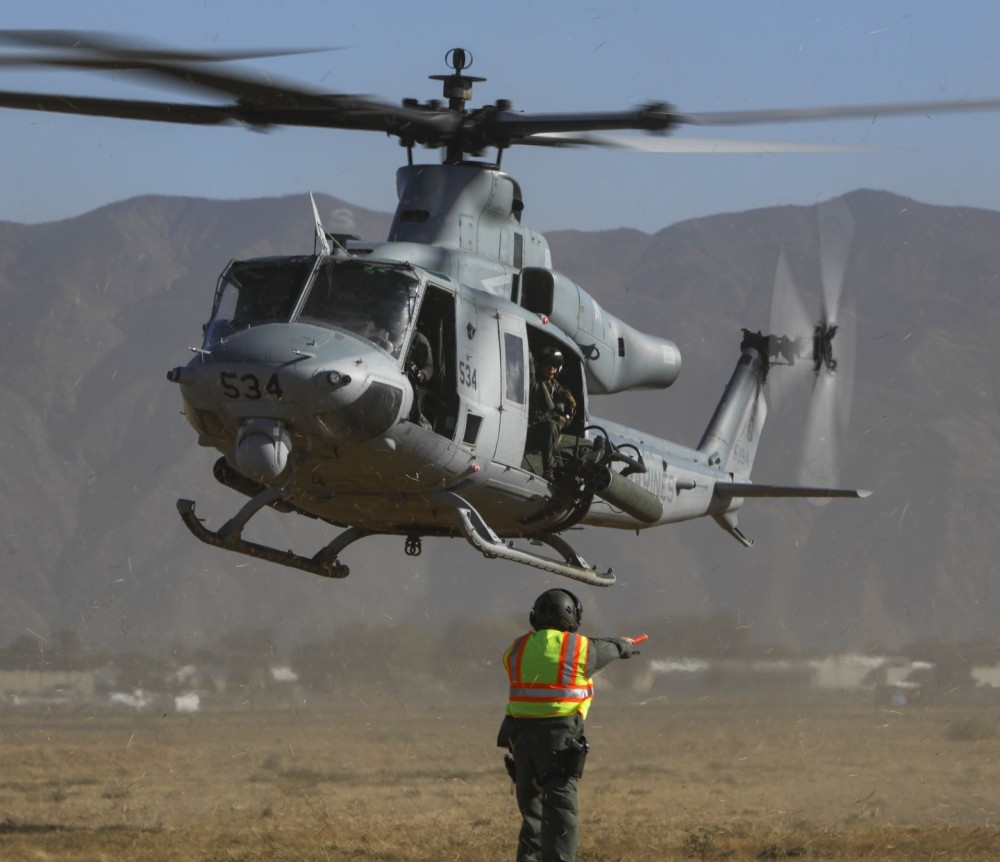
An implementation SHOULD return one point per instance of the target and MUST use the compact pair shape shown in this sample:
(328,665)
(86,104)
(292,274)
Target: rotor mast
(457,89)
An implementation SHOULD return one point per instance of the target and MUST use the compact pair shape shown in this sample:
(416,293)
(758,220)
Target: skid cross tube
(324,563)
(481,536)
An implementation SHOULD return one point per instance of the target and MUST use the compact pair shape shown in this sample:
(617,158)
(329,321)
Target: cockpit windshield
(253,292)
(374,301)
(377,302)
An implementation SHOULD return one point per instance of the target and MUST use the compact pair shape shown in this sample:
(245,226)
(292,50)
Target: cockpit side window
(376,302)
(254,292)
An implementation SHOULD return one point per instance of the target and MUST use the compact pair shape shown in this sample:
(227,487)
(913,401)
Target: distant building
(22,687)
(987,676)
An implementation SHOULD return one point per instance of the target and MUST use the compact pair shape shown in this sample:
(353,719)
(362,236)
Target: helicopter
(306,380)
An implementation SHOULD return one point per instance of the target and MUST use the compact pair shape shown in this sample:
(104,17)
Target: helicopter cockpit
(377,303)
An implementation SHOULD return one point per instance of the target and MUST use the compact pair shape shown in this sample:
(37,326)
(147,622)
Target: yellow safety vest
(547,671)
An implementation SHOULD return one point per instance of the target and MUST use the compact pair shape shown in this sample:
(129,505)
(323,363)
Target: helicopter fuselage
(308,379)
(307,383)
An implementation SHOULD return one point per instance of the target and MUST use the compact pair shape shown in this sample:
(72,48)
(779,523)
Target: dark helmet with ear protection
(556,609)
(551,356)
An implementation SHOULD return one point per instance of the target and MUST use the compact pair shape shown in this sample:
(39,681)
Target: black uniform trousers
(546,795)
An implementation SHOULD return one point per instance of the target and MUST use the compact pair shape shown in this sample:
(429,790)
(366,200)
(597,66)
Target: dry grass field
(711,778)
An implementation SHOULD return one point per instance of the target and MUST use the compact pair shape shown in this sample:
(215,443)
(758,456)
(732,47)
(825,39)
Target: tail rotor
(825,347)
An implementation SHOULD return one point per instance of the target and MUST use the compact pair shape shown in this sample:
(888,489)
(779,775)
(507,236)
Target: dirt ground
(712,777)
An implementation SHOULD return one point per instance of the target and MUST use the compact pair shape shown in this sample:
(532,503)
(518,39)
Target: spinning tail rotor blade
(788,314)
(830,405)
(845,353)
(836,231)
(820,461)
(788,319)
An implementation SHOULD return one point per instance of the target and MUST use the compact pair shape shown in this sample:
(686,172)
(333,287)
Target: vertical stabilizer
(730,441)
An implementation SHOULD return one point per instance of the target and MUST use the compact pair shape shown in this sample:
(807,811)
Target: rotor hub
(457,88)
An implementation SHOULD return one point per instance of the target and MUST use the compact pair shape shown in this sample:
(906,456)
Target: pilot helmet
(384,315)
(556,609)
(551,356)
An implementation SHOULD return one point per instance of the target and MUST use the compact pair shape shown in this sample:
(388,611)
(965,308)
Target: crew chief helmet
(556,609)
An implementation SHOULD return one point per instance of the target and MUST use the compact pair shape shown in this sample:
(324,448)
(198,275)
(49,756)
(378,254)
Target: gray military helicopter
(307,380)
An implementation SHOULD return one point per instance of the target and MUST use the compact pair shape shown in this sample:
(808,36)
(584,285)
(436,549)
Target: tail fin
(730,441)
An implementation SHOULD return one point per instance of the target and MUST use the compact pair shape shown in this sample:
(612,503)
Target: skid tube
(324,563)
(480,535)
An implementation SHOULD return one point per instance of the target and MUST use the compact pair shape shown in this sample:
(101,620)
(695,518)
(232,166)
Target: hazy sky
(543,56)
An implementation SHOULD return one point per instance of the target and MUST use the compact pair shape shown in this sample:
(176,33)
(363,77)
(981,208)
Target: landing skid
(481,536)
(325,563)
(229,537)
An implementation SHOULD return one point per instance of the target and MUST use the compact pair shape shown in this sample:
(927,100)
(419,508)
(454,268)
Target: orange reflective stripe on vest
(547,671)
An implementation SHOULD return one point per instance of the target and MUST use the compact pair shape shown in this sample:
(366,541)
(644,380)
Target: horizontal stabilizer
(746,489)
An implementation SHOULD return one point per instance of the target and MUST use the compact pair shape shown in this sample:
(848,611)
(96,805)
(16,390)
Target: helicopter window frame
(257,291)
(515,376)
(344,295)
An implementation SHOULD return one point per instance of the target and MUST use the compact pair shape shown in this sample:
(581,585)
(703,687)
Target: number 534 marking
(467,376)
(249,386)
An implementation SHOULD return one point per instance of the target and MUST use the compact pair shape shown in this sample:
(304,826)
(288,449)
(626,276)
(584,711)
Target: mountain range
(95,451)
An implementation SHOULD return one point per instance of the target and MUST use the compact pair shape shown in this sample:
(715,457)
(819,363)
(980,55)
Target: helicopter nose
(262,449)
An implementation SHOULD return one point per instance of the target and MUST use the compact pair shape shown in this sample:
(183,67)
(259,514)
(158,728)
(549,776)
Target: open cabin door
(439,400)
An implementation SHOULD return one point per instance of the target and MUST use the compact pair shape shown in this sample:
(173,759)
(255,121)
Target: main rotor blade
(331,111)
(96,50)
(799,115)
(261,101)
(121,53)
(127,109)
(836,232)
(656,144)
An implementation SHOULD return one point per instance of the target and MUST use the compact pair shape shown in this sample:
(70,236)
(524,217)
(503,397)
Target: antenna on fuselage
(323,241)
